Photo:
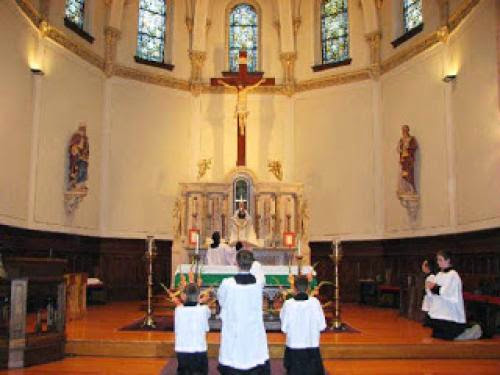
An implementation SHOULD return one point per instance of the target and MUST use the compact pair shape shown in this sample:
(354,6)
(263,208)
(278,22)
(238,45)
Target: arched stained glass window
(334,31)
(75,12)
(412,14)
(151,30)
(243,34)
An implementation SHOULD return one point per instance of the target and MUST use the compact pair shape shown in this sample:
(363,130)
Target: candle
(197,250)
(336,249)
(298,248)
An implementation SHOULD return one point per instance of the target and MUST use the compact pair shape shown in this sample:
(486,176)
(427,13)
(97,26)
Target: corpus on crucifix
(243,82)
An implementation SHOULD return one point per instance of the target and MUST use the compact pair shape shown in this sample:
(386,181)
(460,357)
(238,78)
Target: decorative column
(373,40)
(197,60)
(111,35)
(288,63)
(444,13)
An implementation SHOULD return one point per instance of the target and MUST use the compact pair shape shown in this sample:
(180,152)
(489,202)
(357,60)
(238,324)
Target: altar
(212,276)
(276,214)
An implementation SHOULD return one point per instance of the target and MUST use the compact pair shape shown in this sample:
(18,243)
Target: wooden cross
(243,82)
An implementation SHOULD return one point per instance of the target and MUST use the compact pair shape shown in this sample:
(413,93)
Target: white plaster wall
(268,130)
(148,156)
(18,41)
(334,158)
(217,60)
(308,41)
(71,93)
(127,45)
(391,22)
(414,95)
(473,56)
(95,16)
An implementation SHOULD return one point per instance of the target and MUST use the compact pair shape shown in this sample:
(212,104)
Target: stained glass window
(243,34)
(151,31)
(75,12)
(334,31)
(412,13)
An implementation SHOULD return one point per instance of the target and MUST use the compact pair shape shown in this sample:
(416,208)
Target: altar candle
(197,250)
(298,247)
(336,249)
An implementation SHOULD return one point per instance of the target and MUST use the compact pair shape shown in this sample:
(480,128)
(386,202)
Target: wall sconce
(37,72)
(449,78)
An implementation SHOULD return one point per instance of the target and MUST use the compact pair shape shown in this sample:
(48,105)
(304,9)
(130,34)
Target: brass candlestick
(336,257)
(149,255)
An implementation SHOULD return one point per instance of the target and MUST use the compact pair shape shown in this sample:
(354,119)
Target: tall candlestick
(336,248)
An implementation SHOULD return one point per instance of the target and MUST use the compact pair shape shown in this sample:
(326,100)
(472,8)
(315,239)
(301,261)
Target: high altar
(278,212)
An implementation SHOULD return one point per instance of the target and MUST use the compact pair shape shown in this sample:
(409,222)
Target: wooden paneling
(118,262)
(475,255)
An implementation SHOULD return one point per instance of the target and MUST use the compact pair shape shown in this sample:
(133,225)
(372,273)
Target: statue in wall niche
(407,150)
(78,152)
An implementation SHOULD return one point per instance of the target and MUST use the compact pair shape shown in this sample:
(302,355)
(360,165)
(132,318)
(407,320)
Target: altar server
(191,327)
(243,347)
(219,253)
(447,314)
(302,320)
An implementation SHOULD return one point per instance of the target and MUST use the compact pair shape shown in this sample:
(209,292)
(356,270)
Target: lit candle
(197,250)
(336,249)
(298,248)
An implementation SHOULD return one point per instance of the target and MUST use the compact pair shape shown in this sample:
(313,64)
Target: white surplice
(191,327)
(221,255)
(302,321)
(243,336)
(449,303)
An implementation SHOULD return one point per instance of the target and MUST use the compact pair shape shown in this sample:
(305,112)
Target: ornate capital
(373,40)
(197,60)
(111,35)
(288,62)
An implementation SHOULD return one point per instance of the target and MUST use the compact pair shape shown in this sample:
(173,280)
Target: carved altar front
(275,208)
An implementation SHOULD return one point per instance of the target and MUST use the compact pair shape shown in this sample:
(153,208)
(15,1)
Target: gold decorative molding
(30,11)
(297,21)
(85,53)
(463,10)
(111,35)
(203,167)
(154,78)
(333,80)
(406,54)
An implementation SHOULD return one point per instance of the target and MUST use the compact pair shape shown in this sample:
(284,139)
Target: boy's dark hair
(239,246)
(192,292)
(301,283)
(215,240)
(244,259)
(445,254)
(431,263)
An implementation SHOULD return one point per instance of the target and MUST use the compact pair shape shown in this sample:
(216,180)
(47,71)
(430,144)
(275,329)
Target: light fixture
(449,78)
(37,72)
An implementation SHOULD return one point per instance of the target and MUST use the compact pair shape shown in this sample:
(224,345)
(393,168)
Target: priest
(242,227)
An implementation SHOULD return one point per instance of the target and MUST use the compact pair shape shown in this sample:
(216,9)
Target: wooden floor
(153,366)
(386,344)
(383,335)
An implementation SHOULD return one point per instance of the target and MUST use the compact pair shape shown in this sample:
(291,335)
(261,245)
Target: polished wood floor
(386,344)
(135,366)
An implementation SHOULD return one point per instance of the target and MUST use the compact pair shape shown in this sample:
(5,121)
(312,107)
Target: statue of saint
(407,149)
(78,152)
(242,227)
(241,111)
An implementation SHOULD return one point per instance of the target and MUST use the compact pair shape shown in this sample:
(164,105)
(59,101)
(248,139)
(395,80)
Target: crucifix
(243,82)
